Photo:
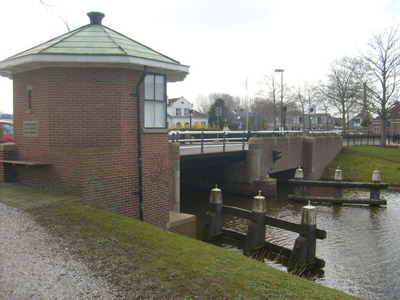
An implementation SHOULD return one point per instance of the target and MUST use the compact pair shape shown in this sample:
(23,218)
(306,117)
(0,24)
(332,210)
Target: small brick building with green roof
(78,101)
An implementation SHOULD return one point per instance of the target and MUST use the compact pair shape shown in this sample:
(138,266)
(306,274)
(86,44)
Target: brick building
(78,100)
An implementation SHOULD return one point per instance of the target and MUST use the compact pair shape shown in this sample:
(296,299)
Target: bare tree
(306,100)
(49,8)
(264,108)
(381,63)
(231,102)
(269,93)
(203,103)
(343,86)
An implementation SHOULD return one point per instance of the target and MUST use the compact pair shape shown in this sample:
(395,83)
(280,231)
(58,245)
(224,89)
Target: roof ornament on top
(95,17)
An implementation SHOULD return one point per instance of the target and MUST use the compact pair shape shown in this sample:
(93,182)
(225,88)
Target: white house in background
(178,114)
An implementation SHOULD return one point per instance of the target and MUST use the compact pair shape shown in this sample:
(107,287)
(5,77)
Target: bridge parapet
(247,176)
(313,153)
(261,150)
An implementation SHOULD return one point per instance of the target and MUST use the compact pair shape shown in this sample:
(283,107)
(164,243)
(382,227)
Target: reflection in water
(362,249)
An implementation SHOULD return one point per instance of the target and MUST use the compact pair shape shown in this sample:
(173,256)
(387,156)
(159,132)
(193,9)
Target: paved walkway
(33,265)
(26,197)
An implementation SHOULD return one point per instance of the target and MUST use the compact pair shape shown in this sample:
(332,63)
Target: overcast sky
(223,41)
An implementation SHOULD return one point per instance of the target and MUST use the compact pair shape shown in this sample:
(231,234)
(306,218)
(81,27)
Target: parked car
(8,131)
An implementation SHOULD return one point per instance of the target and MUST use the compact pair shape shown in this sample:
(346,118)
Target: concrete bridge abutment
(312,153)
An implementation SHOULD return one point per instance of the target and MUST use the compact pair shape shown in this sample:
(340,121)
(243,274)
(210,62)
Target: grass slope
(358,162)
(130,253)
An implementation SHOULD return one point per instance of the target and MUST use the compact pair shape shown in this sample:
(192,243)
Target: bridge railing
(369,139)
(214,140)
(222,140)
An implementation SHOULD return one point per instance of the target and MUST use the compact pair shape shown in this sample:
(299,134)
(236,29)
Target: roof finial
(95,17)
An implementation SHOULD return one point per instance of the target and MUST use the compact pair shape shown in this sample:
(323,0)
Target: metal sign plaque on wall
(30,128)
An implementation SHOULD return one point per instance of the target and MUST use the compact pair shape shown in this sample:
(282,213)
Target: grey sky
(224,41)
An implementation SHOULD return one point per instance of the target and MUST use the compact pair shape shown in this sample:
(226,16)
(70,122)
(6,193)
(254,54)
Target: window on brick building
(155,101)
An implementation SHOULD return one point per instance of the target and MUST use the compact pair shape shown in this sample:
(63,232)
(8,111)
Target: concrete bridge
(267,158)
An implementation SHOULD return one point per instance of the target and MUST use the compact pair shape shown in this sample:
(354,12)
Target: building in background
(180,113)
(393,123)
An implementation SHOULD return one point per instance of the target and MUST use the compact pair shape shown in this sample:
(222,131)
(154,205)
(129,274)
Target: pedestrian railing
(222,140)
(369,139)
(227,140)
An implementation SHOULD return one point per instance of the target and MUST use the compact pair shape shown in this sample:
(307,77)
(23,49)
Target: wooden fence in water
(301,257)
(338,185)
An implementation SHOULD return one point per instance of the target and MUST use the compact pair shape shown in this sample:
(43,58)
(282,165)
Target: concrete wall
(260,155)
(318,153)
(312,153)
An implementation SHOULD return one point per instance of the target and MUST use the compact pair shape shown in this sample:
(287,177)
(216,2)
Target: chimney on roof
(95,17)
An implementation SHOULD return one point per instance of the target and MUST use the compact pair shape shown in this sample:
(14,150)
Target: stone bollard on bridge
(303,253)
(299,175)
(337,191)
(213,220)
(255,238)
(375,193)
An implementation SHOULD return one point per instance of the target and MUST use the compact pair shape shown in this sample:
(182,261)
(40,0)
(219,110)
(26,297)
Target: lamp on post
(281,71)
(190,119)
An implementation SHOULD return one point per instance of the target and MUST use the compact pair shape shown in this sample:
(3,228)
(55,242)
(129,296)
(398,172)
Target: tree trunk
(383,131)
(274,100)
(344,121)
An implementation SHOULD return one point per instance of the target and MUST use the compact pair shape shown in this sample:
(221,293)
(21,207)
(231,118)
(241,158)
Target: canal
(362,249)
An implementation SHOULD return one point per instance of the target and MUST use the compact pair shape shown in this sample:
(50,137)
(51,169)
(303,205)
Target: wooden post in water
(299,188)
(375,193)
(305,245)
(213,220)
(337,191)
(255,238)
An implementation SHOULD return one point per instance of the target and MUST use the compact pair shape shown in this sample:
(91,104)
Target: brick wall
(86,125)
(7,172)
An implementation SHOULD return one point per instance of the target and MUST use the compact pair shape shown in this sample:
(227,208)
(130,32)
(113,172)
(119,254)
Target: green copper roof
(95,44)
(96,39)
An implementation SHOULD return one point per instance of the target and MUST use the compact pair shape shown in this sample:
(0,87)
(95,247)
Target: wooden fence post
(213,220)
(255,238)
(299,188)
(305,245)
(337,191)
(375,193)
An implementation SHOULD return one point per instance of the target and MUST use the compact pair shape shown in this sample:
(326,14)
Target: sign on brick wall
(30,128)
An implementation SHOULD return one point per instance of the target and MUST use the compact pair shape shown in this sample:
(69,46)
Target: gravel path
(33,265)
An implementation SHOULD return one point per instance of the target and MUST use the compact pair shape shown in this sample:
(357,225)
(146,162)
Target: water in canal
(362,248)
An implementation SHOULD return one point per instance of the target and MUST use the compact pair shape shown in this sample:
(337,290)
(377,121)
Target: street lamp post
(190,119)
(281,71)
(284,117)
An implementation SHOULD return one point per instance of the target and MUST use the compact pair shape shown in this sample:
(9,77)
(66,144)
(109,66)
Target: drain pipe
(139,141)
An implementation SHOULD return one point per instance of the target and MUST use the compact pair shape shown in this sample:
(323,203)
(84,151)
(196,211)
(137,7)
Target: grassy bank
(140,258)
(358,163)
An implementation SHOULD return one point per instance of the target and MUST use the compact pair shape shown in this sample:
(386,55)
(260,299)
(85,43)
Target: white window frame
(376,129)
(155,104)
